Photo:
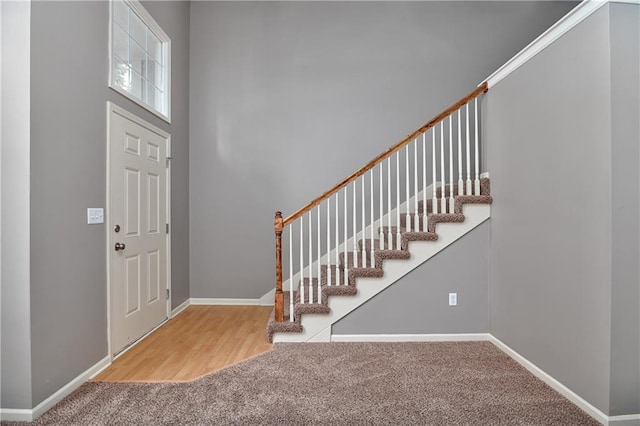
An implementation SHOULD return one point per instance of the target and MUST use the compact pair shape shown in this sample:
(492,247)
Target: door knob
(119,246)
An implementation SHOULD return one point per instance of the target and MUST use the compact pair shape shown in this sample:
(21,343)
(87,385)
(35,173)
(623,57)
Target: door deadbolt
(116,228)
(119,246)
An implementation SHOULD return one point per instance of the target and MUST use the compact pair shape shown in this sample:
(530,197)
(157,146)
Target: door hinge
(168,160)
(167,293)
(167,228)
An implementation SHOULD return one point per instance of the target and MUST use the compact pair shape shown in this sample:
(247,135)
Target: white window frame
(147,20)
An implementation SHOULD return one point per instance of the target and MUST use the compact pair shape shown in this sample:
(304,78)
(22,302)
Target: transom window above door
(140,54)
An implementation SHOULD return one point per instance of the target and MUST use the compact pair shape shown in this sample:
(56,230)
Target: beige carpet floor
(461,383)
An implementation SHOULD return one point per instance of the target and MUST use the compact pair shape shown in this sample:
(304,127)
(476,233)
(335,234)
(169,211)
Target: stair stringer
(317,327)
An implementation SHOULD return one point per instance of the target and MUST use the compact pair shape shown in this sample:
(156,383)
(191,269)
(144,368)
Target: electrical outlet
(453,299)
(95,215)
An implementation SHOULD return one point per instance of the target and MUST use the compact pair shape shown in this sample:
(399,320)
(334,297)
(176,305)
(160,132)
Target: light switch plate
(453,299)
(95,215)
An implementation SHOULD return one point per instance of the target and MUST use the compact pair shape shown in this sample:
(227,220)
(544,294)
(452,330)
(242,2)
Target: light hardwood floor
(198,341)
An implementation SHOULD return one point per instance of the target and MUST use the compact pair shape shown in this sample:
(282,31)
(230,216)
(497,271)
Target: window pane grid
(138,58)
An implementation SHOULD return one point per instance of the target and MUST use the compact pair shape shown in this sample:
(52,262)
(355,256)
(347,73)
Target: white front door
(137,217)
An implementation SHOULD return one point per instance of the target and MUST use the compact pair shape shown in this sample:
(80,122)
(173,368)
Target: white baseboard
(627,420)
(266,300)
(209,301)
(555,384)
(15,415)
(8,414)
(71,386)
(181,307)
(453,337)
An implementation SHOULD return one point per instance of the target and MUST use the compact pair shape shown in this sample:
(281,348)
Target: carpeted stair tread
(483,198)
(406,237)
(485,188)
(340,290)
(351,259)
(379,255)
(382,255)
(460,201)
(386,252)
(285,326)
(365,273)
(311,308)
(429,207)
(414,227)
(336,272)
(322,306)
(306,290)
(473,199)
(367,244)
(418,236)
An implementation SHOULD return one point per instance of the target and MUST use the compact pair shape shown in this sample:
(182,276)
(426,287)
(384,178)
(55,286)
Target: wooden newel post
(279,302)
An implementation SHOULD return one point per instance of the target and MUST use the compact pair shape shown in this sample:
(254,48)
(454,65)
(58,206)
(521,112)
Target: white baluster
(372,258)
(364,229)
(346,240)
(477,181)
(302,259)
(318,263)
(460,182)
(328,241)
(443,201)
(424,182)
(389,234)
(381,221)
(310,258)
(451,201)
(290,273)
(398,237)
(416,218)
(408,189)
(468,189)
(337,251)
(434,186)
(355,227)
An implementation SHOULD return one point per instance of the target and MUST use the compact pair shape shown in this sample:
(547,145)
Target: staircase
(353,241)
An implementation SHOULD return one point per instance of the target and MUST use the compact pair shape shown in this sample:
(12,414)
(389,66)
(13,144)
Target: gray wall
(625,198)
(548,129)
(287,98)
(174,18)
(419,303)
(68,174)
(15,347)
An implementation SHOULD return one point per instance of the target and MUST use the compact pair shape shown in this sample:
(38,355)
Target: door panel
(138,204)
(154,276)
(132,284)
(132,201)
(153,203)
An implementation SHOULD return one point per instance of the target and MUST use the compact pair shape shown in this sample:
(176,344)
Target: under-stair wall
(423,293)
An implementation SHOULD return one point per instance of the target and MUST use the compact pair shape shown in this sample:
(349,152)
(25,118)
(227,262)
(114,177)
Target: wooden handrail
(371,164)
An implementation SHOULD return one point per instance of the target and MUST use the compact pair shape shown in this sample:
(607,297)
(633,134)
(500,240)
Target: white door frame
(111,109)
